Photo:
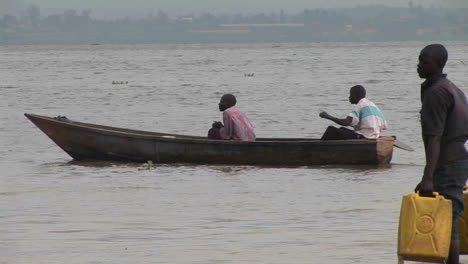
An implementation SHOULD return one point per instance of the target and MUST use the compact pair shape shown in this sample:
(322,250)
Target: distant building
(9,7)
(287,25)
(424,31)
(186,19)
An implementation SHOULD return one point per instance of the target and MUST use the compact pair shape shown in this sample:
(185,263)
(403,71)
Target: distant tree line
(361,23)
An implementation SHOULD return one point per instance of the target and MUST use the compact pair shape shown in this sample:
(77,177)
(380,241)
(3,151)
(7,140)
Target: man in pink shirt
(236,124)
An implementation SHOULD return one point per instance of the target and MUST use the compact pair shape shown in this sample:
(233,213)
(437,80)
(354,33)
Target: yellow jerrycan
(425,227)
(463,225)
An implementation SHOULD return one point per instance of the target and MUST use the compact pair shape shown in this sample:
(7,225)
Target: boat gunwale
(116,131)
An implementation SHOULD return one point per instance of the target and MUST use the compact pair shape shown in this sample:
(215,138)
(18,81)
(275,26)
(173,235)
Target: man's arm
(340,121)
(227,130)
(432,149)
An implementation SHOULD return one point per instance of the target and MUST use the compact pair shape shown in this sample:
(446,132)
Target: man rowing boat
(367,119)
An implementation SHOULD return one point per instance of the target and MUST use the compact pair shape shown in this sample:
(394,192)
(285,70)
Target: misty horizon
(364,23)
(110,9)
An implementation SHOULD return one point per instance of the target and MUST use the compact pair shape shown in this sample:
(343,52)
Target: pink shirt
(236,126)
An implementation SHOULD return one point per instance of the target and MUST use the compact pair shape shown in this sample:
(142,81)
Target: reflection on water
(55,210)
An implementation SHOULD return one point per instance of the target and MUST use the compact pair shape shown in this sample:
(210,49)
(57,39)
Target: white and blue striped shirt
(368,120)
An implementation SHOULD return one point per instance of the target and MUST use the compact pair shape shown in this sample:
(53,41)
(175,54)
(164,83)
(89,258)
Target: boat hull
(84,141)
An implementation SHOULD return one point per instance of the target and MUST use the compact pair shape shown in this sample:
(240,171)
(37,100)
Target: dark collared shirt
(444,113)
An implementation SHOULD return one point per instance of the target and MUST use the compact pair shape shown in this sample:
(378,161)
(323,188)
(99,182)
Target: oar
(402,145)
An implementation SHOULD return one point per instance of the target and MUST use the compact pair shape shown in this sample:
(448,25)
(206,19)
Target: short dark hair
(437,53)
(359,91)
(230,99)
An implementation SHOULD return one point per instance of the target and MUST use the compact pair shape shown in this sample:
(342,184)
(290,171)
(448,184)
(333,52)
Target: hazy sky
(134,8)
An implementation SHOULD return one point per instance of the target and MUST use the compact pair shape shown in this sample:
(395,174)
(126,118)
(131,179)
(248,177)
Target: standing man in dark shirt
(444,122)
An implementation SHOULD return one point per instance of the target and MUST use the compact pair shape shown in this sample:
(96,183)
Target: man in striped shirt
(367,120)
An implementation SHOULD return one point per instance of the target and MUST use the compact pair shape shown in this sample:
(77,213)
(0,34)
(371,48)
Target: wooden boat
(83,141)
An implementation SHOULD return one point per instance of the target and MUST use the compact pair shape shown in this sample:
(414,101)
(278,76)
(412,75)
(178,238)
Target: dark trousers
(333,133)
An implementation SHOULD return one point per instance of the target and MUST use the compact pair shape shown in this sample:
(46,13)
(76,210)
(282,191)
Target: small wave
(67,231)
(373,81)
(226,220)
(20,192)
(410,164)
(384,72)
(356,210)
(126,188)
(97,163)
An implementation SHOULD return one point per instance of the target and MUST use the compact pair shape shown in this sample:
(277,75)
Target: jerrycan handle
(433,195)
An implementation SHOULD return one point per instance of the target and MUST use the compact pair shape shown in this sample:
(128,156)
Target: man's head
(227,100)
(432,60)
(356,93)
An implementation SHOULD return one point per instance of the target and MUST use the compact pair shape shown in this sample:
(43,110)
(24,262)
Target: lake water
(54,210)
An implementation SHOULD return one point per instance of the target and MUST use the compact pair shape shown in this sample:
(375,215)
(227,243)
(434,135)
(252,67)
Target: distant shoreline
(359,24)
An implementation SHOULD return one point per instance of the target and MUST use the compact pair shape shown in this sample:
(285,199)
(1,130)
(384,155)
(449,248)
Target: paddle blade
(402,145)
